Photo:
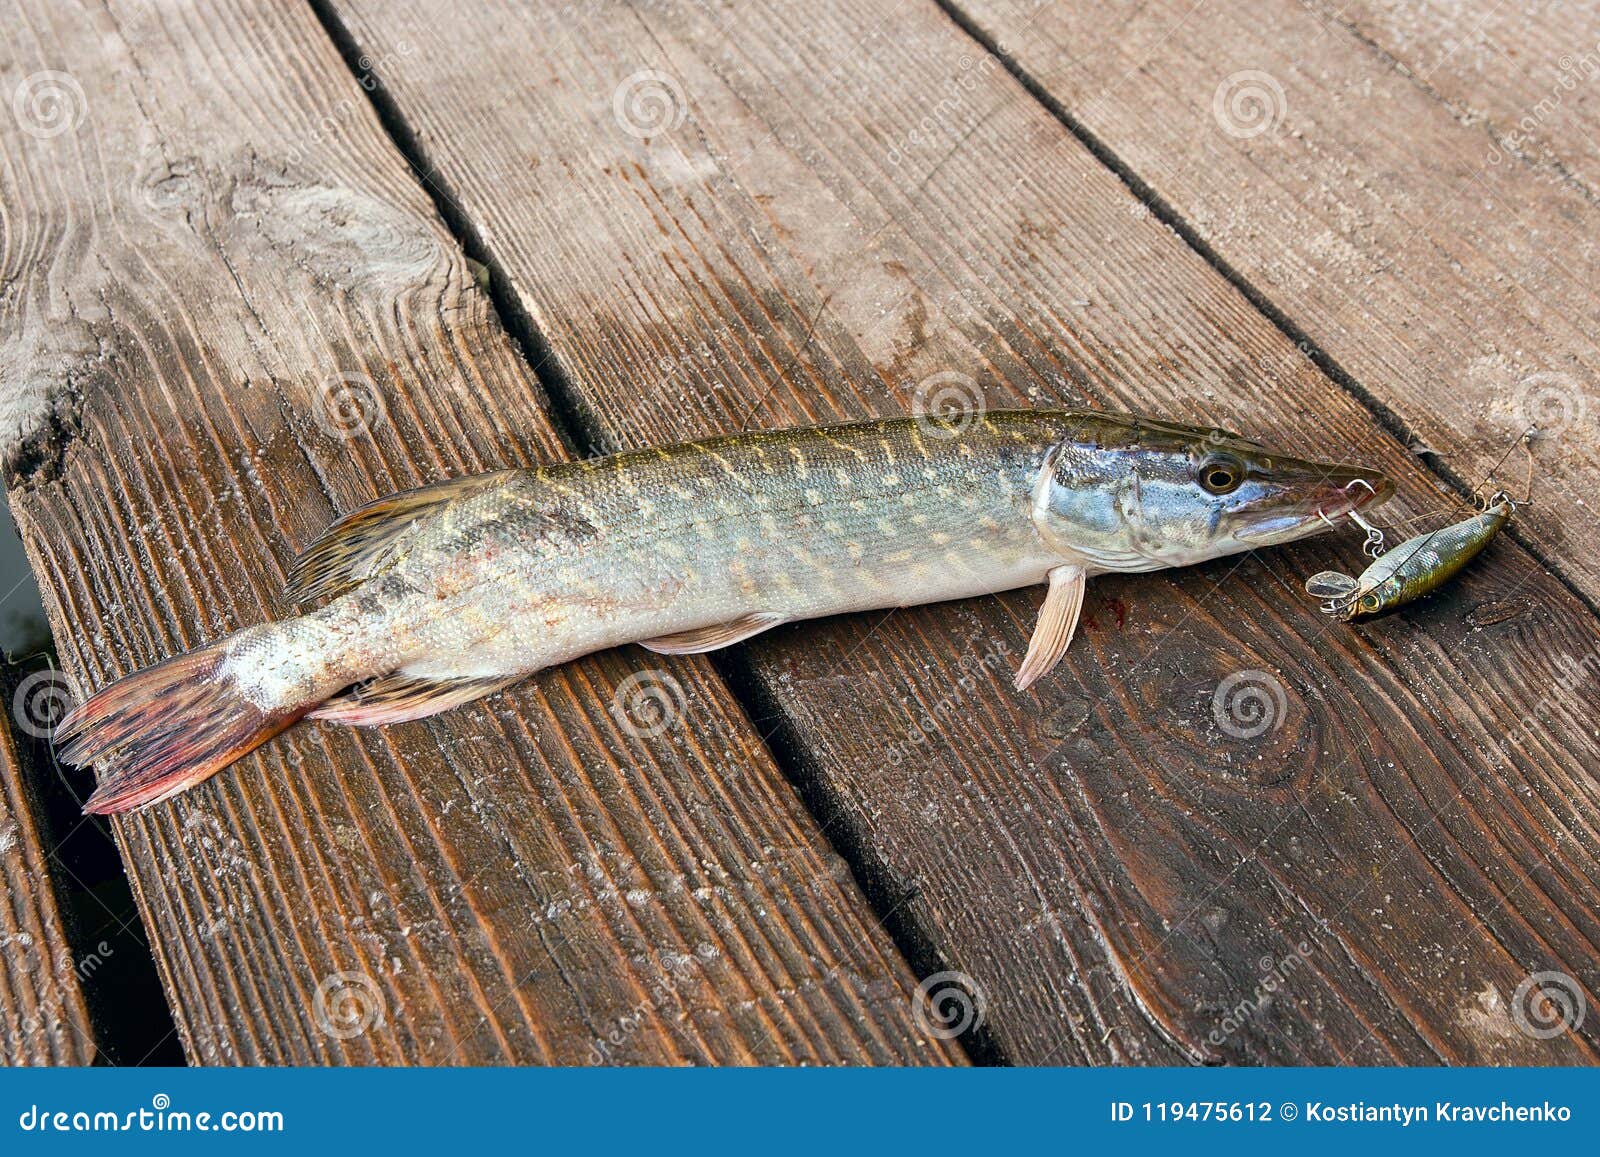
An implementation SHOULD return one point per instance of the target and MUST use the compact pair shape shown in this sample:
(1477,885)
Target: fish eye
(1369,602)
(1220,475)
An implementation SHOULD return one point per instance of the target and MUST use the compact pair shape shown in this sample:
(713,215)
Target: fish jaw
(1300,498)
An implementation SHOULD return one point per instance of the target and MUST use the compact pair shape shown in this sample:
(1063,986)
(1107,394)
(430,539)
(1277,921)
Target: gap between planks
(566,416)
(1389,419)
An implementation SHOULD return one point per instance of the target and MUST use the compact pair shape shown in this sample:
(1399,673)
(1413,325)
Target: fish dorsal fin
(1058,622)
(714,637)
(1331,584)
(367,541)
(398,698)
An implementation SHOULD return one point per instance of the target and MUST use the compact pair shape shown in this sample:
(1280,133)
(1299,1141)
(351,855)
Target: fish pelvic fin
(1058,622)
(166,728)
(702,639)
(399,698)
(370,539)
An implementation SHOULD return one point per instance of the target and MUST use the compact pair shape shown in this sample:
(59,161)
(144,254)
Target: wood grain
(718,217)
(1530,77)
(1450,275)
(248,318)
(43,1017)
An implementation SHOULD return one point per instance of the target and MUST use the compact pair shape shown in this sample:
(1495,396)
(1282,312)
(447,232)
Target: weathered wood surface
(43,1017)
(244,317)
(1448,271)
(1531,77)
(678,194)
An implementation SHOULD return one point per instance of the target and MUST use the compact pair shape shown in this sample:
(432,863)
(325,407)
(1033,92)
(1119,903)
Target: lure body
(438,596)
(1413,569)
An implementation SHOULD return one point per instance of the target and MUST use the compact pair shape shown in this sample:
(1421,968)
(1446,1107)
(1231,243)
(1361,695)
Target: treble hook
(1373,547)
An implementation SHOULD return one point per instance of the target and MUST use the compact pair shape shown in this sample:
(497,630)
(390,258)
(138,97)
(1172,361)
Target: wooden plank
(245,317)
(1449,278)
(1527,77)
(727,216)
(43,1017)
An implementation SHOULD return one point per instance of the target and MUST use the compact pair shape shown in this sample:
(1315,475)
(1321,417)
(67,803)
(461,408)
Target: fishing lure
(1417,567)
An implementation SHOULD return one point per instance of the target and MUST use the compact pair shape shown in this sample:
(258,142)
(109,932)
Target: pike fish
(437,596)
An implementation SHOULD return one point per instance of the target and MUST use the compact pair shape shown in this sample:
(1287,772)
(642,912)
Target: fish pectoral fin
(714,637)
(1058,621)
(367,541)
(398,698)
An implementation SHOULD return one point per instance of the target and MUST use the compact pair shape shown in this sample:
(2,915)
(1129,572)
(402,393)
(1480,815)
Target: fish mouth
(1352,488)
(1325,495)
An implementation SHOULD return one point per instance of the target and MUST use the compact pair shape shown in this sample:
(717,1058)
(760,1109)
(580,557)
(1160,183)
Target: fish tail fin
(167,728)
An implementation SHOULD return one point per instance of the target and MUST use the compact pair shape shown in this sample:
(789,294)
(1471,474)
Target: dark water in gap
(110,954)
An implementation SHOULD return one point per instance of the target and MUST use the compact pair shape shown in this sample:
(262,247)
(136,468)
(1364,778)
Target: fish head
(1137,494)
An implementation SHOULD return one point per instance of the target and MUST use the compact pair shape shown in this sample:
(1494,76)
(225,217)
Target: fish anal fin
(401,698)
(366,541)
(1058,622)
(714,637)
